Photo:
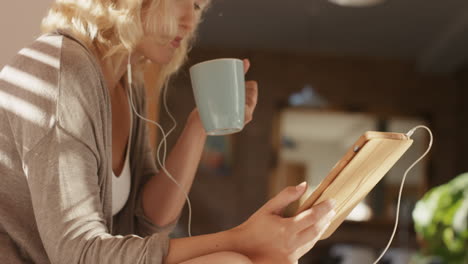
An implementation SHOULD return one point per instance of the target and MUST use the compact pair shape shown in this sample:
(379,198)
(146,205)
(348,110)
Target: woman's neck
(114,69)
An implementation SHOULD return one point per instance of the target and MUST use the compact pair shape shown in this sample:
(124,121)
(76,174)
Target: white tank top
(121,184)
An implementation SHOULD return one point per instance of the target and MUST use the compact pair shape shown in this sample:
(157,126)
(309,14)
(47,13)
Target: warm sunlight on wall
(20,25)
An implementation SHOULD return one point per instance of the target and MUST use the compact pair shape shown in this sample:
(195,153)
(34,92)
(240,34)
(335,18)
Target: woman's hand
(268,238)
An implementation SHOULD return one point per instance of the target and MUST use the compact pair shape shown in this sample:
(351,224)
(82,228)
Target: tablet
(354,176)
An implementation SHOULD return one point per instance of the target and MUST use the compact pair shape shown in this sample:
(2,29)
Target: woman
(68,136)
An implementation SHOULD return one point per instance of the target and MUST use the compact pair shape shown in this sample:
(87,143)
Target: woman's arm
(183,249)
(266,237)
(162,199)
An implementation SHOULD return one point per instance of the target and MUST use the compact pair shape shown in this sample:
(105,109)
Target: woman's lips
(176,42)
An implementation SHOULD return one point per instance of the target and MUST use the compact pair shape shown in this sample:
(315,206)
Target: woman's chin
(161,60)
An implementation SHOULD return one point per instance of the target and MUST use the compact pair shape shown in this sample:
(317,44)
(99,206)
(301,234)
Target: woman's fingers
(309,244)
(307,238)
(251,94)
(251,90)
(246,65)
(312,216)
(288,195)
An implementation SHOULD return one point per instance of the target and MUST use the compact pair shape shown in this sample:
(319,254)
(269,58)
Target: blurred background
(328,70)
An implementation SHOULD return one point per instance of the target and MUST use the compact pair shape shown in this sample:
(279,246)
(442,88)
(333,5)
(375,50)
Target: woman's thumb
(290,194)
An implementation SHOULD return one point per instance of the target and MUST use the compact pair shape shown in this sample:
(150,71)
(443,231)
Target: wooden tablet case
(354,176)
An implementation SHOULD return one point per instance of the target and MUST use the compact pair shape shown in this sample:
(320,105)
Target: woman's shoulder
(29,86)
(53,79)
(51,58)
(84,103)
(78,59)
(56,66)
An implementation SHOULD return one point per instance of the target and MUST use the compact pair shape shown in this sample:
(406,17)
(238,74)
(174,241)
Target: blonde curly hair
(113,28)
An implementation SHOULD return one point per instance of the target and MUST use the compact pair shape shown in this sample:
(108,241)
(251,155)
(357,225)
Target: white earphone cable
(173,121)
(162,163)
(409,134)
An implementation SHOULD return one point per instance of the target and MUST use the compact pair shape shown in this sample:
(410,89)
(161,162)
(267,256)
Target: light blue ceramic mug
(219,90)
